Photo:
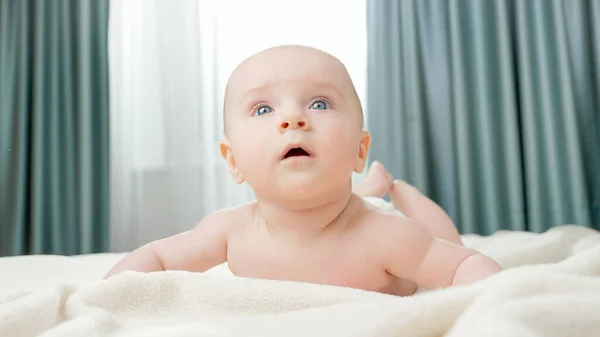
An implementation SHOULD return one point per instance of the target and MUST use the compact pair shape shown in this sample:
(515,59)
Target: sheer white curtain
(169,63)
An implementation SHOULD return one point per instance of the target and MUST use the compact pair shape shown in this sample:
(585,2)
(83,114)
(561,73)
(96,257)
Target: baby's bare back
(347,255)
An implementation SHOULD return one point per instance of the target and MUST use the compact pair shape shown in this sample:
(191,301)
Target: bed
(551,287)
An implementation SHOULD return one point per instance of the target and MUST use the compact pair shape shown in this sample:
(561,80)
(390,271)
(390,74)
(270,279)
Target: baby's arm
(197,250)
(413,253)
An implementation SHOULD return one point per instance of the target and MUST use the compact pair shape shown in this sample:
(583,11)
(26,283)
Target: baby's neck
(306,221)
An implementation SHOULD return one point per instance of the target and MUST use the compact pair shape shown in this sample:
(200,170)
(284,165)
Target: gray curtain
(53,127)
(491,108)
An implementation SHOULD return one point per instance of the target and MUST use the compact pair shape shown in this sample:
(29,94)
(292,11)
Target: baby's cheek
(342,154)
(247,151)
(251,152)
(344,142)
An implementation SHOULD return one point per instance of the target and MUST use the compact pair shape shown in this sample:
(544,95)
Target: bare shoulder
(382,222)
(390,232)
(406,249)
(204,246)
(226,220)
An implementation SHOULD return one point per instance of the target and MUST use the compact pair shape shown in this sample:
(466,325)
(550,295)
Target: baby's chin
(307,190)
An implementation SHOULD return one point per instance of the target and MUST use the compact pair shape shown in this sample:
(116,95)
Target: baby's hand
(411,252)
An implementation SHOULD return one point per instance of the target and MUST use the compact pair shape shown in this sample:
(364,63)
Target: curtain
(53,127)
(490,107)
(169,63)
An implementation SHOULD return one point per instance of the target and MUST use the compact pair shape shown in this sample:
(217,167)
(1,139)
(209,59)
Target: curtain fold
(53,127)
(491,108)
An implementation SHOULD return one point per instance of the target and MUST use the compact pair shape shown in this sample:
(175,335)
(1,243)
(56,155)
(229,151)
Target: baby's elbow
(143,259)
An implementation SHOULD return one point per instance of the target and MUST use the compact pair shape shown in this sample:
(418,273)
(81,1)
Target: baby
(294,132)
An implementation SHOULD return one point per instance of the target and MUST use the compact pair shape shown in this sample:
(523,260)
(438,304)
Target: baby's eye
(265,109)
(319,105)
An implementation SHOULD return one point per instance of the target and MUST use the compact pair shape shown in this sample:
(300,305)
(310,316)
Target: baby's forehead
(299,81)
(286,66)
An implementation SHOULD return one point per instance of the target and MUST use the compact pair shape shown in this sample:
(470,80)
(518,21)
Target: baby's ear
(363,151)
(227,154)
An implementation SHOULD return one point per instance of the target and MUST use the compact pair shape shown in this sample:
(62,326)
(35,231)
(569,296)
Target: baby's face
(293,124)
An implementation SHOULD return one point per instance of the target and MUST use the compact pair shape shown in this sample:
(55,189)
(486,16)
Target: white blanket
(551,288)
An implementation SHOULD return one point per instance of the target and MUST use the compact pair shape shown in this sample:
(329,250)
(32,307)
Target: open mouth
(296,152)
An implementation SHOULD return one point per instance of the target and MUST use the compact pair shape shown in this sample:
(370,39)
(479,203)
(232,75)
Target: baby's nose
(296,121)
(300,124)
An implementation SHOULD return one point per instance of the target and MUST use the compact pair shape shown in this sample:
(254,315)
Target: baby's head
(293,124)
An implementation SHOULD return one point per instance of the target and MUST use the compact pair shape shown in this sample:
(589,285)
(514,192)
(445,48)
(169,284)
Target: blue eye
(265,109)
(319,105)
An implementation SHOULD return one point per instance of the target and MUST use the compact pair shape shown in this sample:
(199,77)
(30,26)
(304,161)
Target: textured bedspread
(551,288)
